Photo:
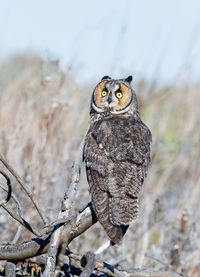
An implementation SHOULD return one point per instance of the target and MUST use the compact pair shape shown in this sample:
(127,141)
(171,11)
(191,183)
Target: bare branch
(20,212)
(71,192)
(22,221)
(26,189)
(17,235)
(37,246)
(9,191)
(65,208)
(58,221)
(73,227)
(19,218)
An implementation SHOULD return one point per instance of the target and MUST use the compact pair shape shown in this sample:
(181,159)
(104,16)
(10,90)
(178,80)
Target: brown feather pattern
(117,154)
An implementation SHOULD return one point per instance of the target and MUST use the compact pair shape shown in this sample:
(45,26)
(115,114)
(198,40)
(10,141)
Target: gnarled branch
(76,226)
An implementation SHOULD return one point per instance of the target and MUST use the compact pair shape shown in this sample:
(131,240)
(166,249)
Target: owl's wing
(101,203)
(116,155)
(97,166)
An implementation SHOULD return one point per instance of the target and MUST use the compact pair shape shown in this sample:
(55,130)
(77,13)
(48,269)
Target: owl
(117,154)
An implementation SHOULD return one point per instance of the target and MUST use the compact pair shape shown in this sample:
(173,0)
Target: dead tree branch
(22,221)
(9,191)
(62,232)
(25,188)
(14,197)
(65,208)
(20,212)
(76,226)
(19,218)
(58,221)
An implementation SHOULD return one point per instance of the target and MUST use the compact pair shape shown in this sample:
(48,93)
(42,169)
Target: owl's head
(114,97)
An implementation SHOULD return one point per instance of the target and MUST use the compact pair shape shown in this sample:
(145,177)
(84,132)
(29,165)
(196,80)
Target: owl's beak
(109,98)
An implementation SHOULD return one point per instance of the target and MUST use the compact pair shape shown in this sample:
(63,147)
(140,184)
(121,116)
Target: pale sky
(107,37)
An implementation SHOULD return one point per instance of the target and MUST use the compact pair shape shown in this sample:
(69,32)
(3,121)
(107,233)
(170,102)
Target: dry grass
(43,121)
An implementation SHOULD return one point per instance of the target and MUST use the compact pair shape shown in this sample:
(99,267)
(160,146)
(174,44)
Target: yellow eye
(104,93)
(119,95)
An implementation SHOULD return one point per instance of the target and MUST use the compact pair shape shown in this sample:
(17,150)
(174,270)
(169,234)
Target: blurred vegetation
(44,117)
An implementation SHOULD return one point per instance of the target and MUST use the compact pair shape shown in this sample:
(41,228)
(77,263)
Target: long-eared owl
(117,153)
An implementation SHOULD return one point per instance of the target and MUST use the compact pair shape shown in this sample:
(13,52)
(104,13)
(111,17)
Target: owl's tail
(100,203)
(123,210)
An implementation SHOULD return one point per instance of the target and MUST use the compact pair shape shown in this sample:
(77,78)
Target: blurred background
(52,54)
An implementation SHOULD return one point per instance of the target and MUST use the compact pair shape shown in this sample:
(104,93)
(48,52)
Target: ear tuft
(105,77)
(129,79)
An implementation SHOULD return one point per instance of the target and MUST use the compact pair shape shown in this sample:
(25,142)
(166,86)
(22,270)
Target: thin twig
(15,199)
(58,221)
(9,191)
(19,218)
(22,221)
(17,235)
(65,209)
(20,212)
(26,189)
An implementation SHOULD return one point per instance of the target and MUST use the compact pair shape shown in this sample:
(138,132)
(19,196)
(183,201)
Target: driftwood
(54,238)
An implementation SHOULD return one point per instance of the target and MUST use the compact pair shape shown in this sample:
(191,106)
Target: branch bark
(65,209)
(10,270)
(76,226)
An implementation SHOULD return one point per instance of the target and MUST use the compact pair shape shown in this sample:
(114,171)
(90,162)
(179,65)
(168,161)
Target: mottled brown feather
(116,153)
